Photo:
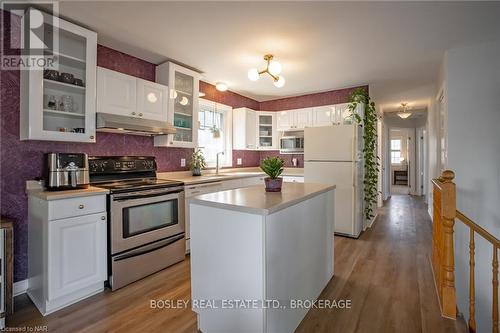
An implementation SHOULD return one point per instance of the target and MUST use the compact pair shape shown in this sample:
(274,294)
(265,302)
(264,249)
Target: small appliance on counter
(66,171)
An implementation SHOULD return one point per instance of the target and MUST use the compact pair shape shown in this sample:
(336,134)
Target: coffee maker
(66,171)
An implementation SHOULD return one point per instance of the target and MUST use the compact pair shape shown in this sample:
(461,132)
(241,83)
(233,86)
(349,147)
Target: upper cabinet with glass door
(182,105)
(58,102)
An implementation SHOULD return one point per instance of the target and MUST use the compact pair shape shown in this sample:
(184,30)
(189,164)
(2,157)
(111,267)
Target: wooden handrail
(478,229)
(444,214)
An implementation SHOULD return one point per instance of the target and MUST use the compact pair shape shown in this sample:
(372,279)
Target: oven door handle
(145,195)
(149,248)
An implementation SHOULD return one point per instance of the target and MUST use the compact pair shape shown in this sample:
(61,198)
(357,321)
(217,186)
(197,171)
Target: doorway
(401,160)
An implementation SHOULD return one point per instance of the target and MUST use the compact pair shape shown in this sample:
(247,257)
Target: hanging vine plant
(371,160)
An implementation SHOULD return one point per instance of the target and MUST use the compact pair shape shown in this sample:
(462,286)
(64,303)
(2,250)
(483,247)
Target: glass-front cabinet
(266,134)
(182,105)
(58,100)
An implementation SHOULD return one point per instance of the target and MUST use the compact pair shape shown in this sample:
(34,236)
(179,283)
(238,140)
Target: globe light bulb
(221,86)
(274,67)
(280,83)
(253,74)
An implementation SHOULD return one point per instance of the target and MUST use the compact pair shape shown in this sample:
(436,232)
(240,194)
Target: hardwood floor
(386,275)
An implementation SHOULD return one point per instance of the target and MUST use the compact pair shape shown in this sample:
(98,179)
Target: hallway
(387,276)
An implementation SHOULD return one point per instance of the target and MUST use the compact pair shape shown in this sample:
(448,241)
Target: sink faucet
(217,162)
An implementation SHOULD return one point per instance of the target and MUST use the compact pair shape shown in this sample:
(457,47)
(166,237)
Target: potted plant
(273,167)
(197,162)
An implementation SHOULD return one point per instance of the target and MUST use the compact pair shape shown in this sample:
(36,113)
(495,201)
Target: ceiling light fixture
(221,86)
(273,68)
(404,113)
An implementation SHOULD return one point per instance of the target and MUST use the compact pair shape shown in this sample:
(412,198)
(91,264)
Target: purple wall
(22,160)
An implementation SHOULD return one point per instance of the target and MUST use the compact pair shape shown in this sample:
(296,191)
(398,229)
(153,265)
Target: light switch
(239,161)
(183,162)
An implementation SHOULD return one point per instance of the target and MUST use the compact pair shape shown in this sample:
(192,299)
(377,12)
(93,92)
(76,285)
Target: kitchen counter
(209,176)
(279,246)
(57,195)
(256,200)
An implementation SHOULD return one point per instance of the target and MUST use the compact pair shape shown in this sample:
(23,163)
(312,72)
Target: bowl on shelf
(78,82)
(50,74)
(67,78)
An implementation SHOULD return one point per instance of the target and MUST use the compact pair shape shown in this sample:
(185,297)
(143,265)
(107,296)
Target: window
(396,151)
(215,132)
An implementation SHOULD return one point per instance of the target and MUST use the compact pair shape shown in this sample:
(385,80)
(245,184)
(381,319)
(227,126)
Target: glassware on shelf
(51,102)
(67,103)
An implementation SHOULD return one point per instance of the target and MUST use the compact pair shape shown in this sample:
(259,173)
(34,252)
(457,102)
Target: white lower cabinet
(68,255)
(198,189)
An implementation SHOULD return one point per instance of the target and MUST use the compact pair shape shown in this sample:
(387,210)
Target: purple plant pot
(273,185)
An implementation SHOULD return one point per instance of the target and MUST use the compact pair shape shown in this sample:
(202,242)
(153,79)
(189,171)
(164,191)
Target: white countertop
(255,200)
(209,176)
(56,195)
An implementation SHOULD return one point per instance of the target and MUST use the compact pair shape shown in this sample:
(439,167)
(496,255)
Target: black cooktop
(138,184)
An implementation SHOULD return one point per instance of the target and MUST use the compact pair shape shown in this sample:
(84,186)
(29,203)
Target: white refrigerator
(333,155)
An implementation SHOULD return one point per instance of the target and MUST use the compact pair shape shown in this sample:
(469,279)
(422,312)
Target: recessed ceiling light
(221,86)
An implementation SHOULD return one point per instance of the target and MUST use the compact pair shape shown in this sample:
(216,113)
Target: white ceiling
(396,47)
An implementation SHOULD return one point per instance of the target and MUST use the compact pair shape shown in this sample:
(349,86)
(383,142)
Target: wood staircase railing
(444,214)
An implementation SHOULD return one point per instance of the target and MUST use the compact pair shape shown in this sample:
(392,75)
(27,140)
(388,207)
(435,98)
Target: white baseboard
(20,287)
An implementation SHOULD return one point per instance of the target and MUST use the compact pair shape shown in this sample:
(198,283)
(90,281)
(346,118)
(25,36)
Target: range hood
(106,122)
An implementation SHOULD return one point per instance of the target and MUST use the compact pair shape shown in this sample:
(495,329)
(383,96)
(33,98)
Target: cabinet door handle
(103,217)
(91,137)
(133,113)
(140,114)
(81,206)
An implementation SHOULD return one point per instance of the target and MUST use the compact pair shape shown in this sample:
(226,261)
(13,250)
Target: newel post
(448,211)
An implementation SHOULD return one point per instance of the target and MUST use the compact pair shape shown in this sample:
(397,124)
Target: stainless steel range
(146,217)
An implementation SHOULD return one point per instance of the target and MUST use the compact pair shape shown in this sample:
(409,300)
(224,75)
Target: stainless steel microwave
(292,144)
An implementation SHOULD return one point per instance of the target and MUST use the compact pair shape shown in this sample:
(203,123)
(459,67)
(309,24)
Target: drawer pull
(103,218)
(81,206)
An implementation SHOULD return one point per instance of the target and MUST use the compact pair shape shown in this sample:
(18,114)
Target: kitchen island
(254,253)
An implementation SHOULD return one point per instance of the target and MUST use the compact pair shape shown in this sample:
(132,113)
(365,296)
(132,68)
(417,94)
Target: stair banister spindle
(495,290)
(472,290)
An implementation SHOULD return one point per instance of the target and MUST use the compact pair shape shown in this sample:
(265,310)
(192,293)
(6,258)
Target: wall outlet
(183,162)
(239,161)
(294,162)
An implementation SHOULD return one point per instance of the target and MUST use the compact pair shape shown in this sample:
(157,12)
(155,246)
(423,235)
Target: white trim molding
(20,287)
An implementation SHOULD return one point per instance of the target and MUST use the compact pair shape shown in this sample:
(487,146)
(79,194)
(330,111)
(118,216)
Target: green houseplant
(371,160)
(273,167)
(197,162)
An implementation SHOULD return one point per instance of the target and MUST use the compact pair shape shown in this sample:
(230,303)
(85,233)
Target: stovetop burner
(126,173)
(138,184)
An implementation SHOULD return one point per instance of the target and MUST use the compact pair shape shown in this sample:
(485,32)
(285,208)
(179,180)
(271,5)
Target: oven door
(142,217)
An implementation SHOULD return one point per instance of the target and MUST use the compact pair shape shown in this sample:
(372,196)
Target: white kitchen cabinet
(244,129)
(116,93)
(216,186)
(127,95)
(67,255)
(183,105)
(303,118)
(266,131)
(323,115)
(291,120)
(285,120)
(152,100)
(53,110)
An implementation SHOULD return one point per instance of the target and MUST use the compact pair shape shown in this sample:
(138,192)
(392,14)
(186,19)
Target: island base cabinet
(256,259)
(67,257)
